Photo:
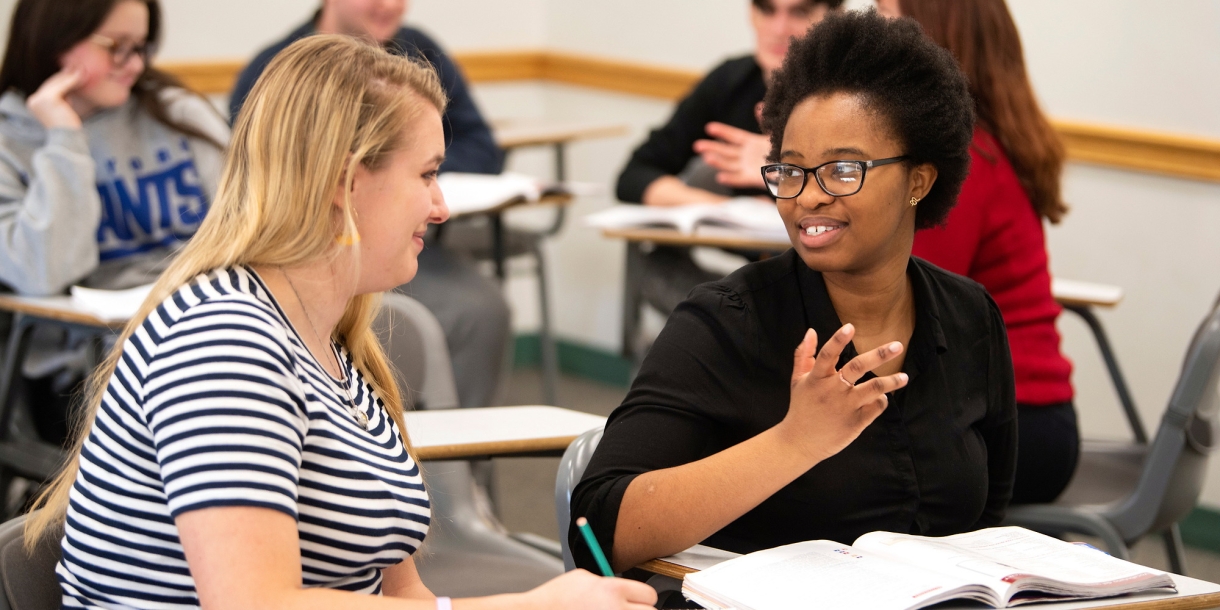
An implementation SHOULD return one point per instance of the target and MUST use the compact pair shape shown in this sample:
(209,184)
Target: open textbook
(473,193)
(743,216)
(1001,567)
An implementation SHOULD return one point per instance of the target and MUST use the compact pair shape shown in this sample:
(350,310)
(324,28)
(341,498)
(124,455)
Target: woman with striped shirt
(243,443)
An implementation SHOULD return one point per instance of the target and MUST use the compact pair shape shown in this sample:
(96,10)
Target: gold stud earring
(914,201)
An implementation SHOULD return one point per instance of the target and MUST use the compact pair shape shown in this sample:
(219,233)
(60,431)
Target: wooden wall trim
(207,77)
(1174,155)
(1141,150)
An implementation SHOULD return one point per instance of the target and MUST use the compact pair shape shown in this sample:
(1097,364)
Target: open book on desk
(743,216)
(110,305)
(474,193)
(1001,567)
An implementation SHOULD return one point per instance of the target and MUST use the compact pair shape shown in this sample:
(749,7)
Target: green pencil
(594,547)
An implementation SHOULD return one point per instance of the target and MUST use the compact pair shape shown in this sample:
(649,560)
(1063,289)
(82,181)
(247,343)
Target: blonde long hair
(324,105)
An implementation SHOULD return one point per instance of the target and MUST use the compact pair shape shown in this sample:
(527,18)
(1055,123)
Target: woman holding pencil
(844,386)
(243,445)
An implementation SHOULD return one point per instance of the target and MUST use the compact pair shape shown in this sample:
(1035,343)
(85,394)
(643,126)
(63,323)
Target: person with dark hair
(107,167)
(106,164)
(995,235)
(905,420)
(472,309)
(712,145)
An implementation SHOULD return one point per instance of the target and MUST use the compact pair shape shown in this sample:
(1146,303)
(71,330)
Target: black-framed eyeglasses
(837,178)
(121,53)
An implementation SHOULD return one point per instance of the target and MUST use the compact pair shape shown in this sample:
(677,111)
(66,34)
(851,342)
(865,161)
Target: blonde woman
(243,446)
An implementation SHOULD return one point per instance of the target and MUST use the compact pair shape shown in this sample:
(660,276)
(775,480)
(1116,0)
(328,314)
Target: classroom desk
(1193,594)
(525,431)
(513,136)
(495,218)
(20,448)
(436,435)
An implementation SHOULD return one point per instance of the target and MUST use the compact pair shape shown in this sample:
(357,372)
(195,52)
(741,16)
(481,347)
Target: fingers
(803,360)
(636,592)
(871,411)
(879,386)
(719,155)
(62,82)
(866,362)
(826,362)
(728,133)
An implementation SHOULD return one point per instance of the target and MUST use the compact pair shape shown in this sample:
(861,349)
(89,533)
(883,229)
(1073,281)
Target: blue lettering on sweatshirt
(164,205)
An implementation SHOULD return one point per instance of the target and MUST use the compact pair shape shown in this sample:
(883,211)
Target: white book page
(999,557)
(821,574)
(468,193)
(1041,555)
(626,216)
(753,217)
(110,305)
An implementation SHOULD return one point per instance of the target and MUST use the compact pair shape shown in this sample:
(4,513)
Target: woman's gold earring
(914,201)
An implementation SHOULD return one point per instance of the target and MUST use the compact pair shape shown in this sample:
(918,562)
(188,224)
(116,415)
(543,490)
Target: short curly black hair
(910,81)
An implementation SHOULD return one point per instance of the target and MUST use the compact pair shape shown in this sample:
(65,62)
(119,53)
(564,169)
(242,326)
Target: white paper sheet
(471,193)
(110,305)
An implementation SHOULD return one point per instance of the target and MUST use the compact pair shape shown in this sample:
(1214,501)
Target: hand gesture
(736,154)
(827,410)
(49,103)
(580,589)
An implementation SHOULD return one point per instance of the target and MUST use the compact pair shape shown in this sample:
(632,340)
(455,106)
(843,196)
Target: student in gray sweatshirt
(106,165)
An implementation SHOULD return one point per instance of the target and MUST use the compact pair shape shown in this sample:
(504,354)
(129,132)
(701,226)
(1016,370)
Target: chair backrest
(1174,470)
(415,344)
(571,468)
(28,577)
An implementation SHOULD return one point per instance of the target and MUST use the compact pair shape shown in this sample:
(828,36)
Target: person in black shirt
(905,419)
(711,147)
(470,308)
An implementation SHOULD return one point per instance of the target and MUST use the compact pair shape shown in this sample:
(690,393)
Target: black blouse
(939,460)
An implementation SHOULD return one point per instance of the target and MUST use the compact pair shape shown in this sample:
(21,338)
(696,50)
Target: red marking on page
(923,593)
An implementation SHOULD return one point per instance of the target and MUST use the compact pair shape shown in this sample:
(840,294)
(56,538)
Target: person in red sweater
(995,233)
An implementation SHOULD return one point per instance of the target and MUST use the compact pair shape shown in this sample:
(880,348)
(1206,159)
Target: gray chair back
(571,469)
(29,577)
(415,343)
(467,552)
(1176,463)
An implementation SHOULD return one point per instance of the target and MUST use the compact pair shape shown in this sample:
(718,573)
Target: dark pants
(669,275)
(1048,446)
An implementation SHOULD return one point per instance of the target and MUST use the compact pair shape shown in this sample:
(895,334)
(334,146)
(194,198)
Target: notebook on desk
(474,193)
(743,217)
(110,305)
(1001,567)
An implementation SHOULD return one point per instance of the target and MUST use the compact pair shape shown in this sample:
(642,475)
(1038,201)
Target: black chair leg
(1175,550)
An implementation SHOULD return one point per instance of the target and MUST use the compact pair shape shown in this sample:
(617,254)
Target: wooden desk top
(1066,292)
(60,308)
(449,434)
(1193,594)
(517,135)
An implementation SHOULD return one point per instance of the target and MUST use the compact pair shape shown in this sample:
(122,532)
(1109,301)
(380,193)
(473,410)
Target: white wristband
(444,603)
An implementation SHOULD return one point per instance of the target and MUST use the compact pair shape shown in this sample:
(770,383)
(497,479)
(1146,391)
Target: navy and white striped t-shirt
(217,402)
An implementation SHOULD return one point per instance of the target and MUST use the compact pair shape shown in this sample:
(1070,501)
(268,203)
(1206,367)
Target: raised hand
(736,154)
(827,410)
(49,103)
(580,589)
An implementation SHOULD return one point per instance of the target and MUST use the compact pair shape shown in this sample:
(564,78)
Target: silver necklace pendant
(362,419)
